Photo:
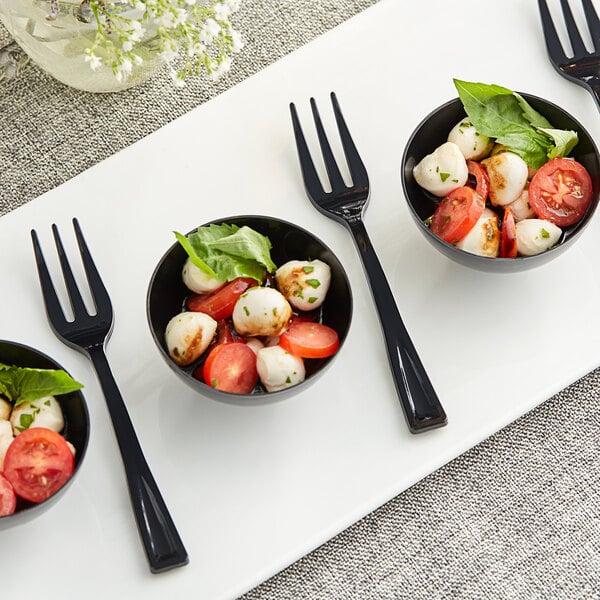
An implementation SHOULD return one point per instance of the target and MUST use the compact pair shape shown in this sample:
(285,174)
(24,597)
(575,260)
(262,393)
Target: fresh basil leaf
(499,113)
(228,251)
(23,384)
(564,141)
(187,246)
(531,148)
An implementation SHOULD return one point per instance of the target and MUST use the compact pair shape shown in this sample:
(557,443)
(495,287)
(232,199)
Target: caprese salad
(505,184)
(35,459)
(248,325)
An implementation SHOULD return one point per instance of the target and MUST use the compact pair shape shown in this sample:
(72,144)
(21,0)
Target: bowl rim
(81,453)
(252,399)
(502,263)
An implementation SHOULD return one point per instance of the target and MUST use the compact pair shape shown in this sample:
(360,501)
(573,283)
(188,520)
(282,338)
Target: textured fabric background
(515,517)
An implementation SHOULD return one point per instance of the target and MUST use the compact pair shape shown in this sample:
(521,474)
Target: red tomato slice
(482,181)
(38,463)
(8,498)
(231,368)
(508,238)
(456,214)
(310,340)
(224,335)
(219,304)
(561,191)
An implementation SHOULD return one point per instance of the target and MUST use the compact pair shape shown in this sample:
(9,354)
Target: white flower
(127,46)
(136,32)
(126,66)
(137,60)
(166,20)
(177,79)
(181,17)
(168,54)
(237,41)
(222,11)
(212,27)
(95,61)
(219,69)
(139,5)
(233,5)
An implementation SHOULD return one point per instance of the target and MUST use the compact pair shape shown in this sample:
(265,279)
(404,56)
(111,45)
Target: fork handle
(161,540)
(420,402)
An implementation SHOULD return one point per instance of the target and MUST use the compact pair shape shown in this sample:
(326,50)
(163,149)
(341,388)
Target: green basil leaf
(23,384)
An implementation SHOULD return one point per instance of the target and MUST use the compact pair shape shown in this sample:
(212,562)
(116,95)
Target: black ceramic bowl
(76,431)
(166,294)
(433,131)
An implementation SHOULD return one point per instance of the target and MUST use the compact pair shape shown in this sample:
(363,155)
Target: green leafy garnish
(228,251)
(504,115)
(23,384)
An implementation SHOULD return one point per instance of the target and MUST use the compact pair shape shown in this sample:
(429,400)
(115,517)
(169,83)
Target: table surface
(493,522)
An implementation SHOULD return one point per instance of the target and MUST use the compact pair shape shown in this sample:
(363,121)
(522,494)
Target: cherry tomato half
(38,463)
(508,237)
(456,214)
(561,191)
(310,340)
(482,181)
(8,498)
(219,304)
(231,367)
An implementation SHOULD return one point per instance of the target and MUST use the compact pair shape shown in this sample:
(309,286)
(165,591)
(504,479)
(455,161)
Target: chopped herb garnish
(444,176)
(314,283)
(312,299)
(308,269)
(247,311)
(545,233)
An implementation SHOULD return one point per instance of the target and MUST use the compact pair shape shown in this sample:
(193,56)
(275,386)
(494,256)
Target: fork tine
(309,173)
(357,167)
(335,177)
(577,44)
(593,22)
(77,304)
(54,310)
(553,43)
(99,291)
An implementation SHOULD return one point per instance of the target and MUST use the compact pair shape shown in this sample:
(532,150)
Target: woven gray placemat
(515,517)
(50,133)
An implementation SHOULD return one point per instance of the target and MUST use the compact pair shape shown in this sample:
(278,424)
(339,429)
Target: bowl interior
(433,131)
(166,294)
(76,428)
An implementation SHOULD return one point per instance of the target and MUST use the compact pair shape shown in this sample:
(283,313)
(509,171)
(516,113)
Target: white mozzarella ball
(535,236)
(254,344)
(188,335)
(261,311)
(521,208)
(472,144)
(197,280)
(5,408)
(43,412)
(443,170)
(484,237)
(279,369)
(304,283)
(6,437)
(508,175)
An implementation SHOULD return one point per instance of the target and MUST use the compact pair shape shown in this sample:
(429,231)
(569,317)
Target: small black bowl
(76,430)
(433,131)
(166,294)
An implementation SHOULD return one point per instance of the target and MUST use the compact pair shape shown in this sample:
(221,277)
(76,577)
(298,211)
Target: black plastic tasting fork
(88,334)
(583,68)
(346,205)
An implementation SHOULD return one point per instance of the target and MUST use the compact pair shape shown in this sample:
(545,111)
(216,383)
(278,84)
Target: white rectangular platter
(253,489)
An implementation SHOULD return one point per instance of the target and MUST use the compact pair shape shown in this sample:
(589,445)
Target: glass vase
(57,42)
